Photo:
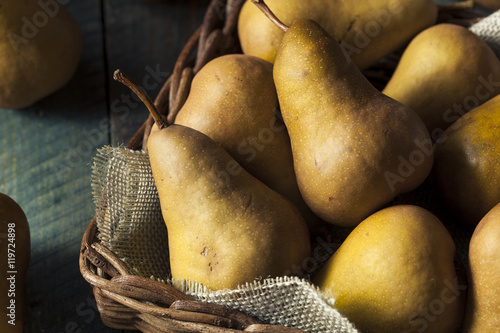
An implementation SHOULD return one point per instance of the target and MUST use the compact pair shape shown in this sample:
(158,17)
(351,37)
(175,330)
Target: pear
(444,72)
(395,273)
(368,32)
(483,301)
(225,227)
(14,259)
(40,49)
(467,162)
(233,101)
(354,149)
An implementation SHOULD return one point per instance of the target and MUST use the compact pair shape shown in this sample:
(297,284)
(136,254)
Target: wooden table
(47,149)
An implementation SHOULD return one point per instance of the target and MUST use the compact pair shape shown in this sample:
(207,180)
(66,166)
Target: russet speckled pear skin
(350,143)
(444,72)
(233,100)
(225,227)
(467,162)
(369,30)
(483,301)
(395,273)
(36,60)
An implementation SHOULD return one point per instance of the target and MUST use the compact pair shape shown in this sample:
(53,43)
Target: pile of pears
(276,145)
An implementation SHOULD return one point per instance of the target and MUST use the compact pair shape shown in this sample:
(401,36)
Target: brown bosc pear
(483,301)
(225,227)
(445,71)
(354,149)
(466,170)
(15,246)
(40,49)
(233,100)
(395,273)
(367,31)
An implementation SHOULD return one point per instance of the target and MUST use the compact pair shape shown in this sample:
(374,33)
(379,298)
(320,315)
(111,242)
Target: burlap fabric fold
(129,222)
(488,29)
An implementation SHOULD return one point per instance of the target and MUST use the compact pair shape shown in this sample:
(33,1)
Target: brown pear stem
(265,9)
(141,93)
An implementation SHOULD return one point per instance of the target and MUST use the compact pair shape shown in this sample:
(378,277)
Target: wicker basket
(130,302)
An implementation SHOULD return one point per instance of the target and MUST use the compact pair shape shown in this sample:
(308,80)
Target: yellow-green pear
(14,259)
(467,162)
(40,49)
(444,72)
(483,301)
(395,273)
(225,227)
(233,100)
(354,149)
(367,31)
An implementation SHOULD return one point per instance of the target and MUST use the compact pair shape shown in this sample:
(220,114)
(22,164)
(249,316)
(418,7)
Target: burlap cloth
(129,222)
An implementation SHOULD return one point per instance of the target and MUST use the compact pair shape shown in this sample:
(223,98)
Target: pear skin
(367,31)
(15,248)
(395,273)
(40,50)
(483,301)
(225,227)
(467,162)
(444,72)
(233,100)
(354,149)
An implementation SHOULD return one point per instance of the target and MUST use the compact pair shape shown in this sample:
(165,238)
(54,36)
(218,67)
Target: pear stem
(265,9)
(141,93)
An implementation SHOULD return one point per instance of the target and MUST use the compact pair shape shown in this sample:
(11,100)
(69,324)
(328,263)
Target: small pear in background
(483,300)
(40,49)
(444,72)
(395,273)
(466,171)
(225,227)
(15,246)
(354,149)
(233,100)
(368,32)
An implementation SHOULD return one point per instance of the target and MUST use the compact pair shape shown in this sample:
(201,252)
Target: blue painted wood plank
(144,39)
